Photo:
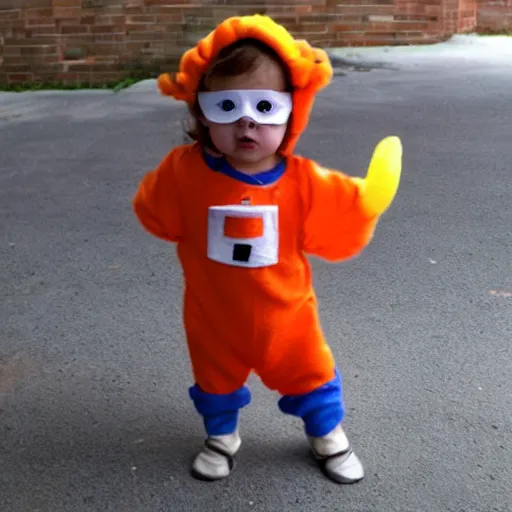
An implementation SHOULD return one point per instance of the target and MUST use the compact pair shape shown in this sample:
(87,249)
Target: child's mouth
(246,143)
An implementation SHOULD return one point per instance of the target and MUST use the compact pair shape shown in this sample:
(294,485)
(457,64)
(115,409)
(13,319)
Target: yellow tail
(383,177)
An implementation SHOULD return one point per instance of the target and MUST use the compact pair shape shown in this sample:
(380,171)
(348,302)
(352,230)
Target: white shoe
(336,458)
(216,460)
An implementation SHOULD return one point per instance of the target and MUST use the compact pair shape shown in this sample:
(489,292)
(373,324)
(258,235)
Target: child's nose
(246,122)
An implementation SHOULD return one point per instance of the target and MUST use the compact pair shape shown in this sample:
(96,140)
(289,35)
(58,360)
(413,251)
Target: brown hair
(241,57)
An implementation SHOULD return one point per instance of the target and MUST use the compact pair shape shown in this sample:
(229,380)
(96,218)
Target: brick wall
(495,16)
(101,41)
(459,16)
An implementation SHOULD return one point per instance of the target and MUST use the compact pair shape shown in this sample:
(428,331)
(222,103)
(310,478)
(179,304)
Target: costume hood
(309,68)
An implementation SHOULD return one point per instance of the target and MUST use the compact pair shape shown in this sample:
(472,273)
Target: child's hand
(381,183)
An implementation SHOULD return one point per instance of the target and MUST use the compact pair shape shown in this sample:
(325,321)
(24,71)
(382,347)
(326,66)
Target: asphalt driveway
(94,411)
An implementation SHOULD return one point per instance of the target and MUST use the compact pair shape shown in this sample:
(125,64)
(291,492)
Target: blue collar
(262,178)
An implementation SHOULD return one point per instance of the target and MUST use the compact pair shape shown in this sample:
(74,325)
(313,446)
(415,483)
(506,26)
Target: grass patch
(125,83)
(507,32)
(76,86)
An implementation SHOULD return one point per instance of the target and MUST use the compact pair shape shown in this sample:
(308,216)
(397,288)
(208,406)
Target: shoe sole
(322,464)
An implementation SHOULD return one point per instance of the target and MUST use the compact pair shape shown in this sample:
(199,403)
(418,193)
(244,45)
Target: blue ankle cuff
(321,409)
(219,412)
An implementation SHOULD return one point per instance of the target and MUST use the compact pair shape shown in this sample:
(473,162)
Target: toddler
(244,211)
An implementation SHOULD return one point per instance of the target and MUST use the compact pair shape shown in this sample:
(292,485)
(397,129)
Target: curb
(357,64)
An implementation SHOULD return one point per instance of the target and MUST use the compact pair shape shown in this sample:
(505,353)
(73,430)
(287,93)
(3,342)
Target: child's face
(248,146)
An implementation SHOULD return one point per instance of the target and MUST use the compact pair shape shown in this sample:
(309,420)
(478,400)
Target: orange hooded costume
(249,304)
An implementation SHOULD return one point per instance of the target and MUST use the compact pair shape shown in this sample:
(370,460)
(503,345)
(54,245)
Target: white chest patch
(243,235)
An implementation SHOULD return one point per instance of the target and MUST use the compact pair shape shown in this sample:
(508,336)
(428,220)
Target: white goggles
(263,106)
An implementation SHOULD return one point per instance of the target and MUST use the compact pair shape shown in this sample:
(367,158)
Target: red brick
(108,60)
(67,3)
(14,78)
(74,29)
(38,50)
(113,10)
(87,20)
(107,29)
(109,19)
(36,4)
(22,42)
(38,13)
(76,40)
(90,65)
(67,12)
(135,11)
(145,36)
(141,27)
(40,22)
(313,27)
(11,14)
(167,2)
(110,37)
(105,48)
(12,24)
(165,9)
(169,18)
(25,67)
(105,77)
(42,31)
(141,18)
(65,77)
(135,47)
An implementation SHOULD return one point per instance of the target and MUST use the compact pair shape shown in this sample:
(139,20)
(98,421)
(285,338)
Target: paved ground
(94,414)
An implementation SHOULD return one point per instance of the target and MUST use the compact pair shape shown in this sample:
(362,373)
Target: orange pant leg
(218,368)
(299,360)
(215,369)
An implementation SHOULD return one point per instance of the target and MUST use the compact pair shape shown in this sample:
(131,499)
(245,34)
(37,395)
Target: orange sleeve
(335,227)
(156,202)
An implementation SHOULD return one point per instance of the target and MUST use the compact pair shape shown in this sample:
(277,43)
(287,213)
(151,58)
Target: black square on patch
(242,252)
